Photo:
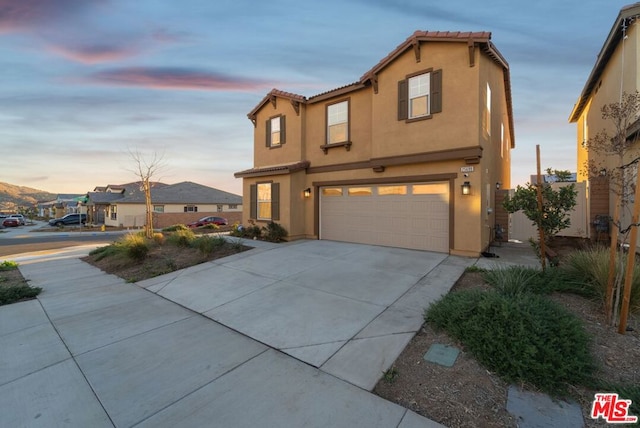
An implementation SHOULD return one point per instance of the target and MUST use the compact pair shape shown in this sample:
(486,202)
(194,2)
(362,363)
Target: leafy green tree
(556,205)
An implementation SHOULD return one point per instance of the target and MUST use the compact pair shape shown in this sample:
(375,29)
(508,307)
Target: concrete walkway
(281,335)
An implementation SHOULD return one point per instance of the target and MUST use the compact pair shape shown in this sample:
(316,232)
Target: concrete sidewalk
(282,335)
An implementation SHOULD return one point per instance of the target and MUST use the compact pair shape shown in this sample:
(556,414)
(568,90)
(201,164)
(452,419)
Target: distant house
(65,203)
(99,201)
(184,202)
(614,72)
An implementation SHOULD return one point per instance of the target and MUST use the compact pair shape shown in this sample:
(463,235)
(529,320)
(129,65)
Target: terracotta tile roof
(346,88)
(273,170)
(278,93)
(423,36)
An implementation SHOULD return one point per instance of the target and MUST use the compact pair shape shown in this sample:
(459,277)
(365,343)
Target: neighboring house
(98,202)
(411,155)
(175,203)
(615,72)
(65,203)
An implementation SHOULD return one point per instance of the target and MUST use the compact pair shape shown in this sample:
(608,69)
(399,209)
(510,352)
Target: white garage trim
(406,215)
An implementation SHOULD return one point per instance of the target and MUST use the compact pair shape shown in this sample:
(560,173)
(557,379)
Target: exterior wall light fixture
(498,185)
(466,188)
(307,192)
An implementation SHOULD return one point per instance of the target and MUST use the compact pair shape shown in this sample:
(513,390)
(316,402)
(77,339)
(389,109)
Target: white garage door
(412,215)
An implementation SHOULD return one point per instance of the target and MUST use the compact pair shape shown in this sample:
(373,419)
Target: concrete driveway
(347,309)
(282,335)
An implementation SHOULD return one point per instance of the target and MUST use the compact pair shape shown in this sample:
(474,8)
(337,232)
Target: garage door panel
(417,221)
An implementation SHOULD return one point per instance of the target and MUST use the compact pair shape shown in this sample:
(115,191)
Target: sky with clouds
(86,81)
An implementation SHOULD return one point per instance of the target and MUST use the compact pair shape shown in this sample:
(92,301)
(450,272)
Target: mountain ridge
(13,196)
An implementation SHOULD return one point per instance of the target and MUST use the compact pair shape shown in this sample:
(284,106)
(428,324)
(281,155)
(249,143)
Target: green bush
(181,237)
(587,273)
(15,293)
(249,232)
(211,226)
(208,244)
(274,232)
(112,250)
(175,227)
(8,265)
(523,337)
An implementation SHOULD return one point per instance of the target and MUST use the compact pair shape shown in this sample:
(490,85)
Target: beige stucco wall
(457,124)
(288,152)
(375,132)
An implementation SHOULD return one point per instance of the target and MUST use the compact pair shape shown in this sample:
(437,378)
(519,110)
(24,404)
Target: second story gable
(436,92)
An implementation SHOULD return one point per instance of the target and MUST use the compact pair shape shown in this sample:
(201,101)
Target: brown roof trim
(609,47)
(275,93)
(437,156)
(273,170)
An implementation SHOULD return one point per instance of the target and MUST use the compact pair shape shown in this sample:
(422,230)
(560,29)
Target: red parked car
(11,222)
(218,221)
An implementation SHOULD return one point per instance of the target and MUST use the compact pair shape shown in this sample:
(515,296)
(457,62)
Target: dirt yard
(468,395)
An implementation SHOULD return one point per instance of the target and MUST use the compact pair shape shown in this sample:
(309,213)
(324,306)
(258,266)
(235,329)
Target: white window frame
(419,87)
(338,116)
(158,208)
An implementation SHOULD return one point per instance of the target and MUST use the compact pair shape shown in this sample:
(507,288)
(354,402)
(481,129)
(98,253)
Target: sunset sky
(85,81)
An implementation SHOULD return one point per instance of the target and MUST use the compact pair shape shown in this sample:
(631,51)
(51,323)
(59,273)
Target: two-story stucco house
(411,155)
(614,73)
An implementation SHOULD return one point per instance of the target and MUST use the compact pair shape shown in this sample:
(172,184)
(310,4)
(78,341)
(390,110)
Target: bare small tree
(147,169)
(614,150)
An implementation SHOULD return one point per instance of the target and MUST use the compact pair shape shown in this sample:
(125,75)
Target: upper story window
(276,131)
(488,110)
(158,208)
(420,95)
(190,209)
(338,122)
(419,89)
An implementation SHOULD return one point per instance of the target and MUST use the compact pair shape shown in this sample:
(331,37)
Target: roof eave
(609,46)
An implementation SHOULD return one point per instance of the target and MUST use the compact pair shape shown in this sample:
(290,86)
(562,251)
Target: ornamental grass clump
(208,244)
(588,271)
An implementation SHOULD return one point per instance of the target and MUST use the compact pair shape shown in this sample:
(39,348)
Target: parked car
(218,221)
(20,218)
(10,222)
(69,219)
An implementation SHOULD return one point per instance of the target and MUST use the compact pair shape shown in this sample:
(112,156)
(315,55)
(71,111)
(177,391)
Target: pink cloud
(17,15)
(93,54)
(175,78)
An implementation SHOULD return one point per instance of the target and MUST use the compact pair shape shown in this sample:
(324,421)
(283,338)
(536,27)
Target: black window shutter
(268,128)
(283,128)
(275,201)
(253,201)
(403,100)
(436,91)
